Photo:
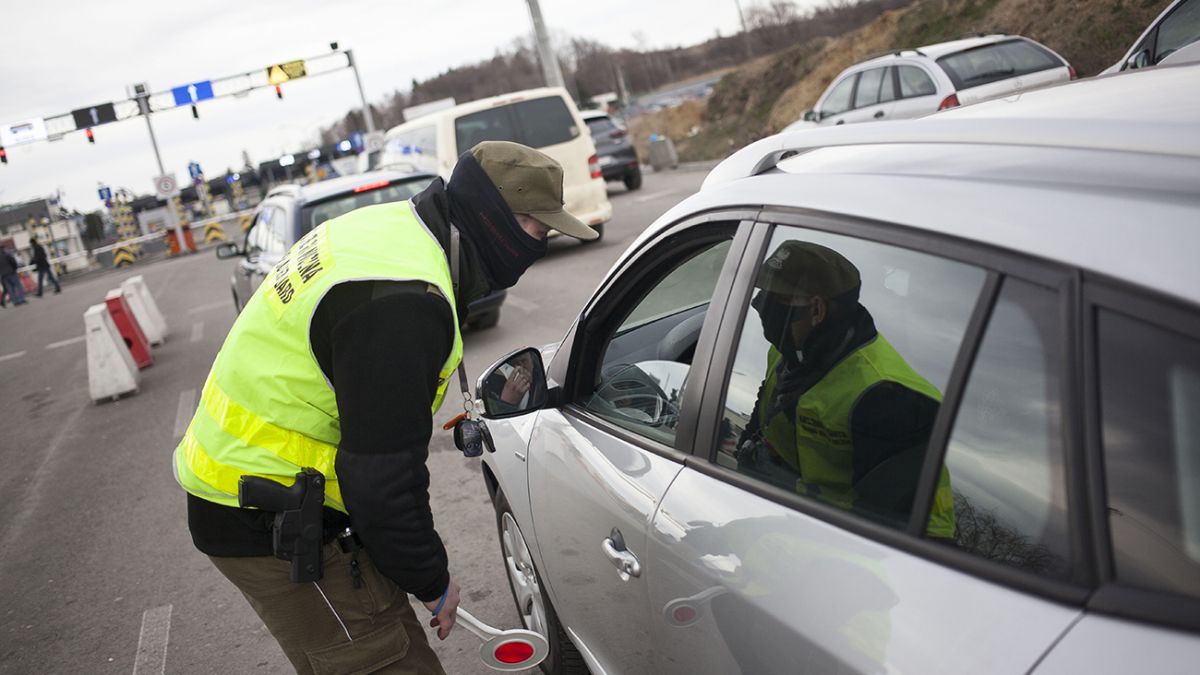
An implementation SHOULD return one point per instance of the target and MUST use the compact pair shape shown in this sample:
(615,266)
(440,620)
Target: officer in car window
(840,416)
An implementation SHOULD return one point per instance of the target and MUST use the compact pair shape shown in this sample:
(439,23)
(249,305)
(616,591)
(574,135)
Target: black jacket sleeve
(890,425)
(386,357)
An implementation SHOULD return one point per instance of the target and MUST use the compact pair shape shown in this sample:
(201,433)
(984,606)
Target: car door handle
(840,122)
(626,563)
(878,114)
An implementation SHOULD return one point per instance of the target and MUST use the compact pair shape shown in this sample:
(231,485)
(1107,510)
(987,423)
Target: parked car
(915,82)
(1174,37)
(290,211)
(618,159)
(545,118)
(1029,293)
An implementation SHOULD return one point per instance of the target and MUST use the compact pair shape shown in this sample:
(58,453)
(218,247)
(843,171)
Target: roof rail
(1111,135)
(890,52)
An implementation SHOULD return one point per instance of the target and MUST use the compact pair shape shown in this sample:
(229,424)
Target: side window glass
(545,121)
(914,82)
(887,91)
(486,125)
(868,87)
(1005,456)
(844,353)
(257,237)
(1179,29)
(279,235)
(647,359)
(838,100)
(1150,412)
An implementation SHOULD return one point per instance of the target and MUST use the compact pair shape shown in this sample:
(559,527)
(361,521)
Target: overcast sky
(60,55)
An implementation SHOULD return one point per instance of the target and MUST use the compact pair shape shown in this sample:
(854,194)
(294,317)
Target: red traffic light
(279,91)
(3,155)
(91,137)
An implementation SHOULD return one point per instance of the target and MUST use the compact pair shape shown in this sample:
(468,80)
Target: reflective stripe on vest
(820,445)
(267,409)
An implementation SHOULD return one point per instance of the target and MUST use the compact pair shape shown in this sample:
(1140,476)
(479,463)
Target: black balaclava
(479,211)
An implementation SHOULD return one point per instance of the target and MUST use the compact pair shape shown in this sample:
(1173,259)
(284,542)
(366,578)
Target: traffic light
(3,155)
(195,113)
(91,137)
(279,91)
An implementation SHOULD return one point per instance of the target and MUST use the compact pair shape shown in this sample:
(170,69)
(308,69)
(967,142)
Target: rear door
(874,97)
(599,466)
(1001,69)
(755,575)
(917,93)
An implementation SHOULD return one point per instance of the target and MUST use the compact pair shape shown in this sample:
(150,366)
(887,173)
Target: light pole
(358,80)
(550,70)
(745,33)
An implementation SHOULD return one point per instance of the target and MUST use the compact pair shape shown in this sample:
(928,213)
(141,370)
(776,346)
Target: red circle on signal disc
(684,614)
(515,651)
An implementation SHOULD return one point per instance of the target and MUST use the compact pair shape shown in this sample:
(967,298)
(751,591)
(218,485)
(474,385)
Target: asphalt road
(97,571)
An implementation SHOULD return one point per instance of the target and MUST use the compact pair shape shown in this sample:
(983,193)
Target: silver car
(1002,471)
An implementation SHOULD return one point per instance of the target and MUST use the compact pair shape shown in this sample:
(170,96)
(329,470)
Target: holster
(297,531)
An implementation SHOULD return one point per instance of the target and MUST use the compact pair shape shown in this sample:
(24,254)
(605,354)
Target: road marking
(152,643)
(64,343)
(521,304)
(209,307)
(197,331)
(14,355)
(654,195)
(183,413)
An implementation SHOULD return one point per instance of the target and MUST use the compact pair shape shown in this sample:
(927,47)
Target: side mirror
(810,116)
(229,249)
(1139,60)
(514,385)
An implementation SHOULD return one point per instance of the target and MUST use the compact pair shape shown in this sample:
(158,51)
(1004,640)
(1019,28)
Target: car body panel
(776,591)
(583,483)
(1100,645)
(1186,54)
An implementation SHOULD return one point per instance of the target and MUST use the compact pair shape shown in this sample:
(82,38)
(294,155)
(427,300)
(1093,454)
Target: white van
(545,118)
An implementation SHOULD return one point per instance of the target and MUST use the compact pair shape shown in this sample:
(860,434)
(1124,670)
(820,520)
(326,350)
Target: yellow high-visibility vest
(267,409)
(820,446)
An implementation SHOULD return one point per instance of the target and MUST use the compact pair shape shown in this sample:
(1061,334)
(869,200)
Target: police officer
(840,416)
(338,362)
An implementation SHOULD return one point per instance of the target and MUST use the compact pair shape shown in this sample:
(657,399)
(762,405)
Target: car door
(244,279)
(874,97)
(599,464)
(838,102)
(918,94)
(765,565)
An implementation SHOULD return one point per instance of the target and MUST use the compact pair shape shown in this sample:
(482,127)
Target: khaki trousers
(329,627)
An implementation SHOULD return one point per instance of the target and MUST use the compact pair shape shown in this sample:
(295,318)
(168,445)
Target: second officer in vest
(338,362)
(840,416)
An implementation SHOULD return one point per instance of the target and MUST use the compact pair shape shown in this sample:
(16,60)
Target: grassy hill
(762,97)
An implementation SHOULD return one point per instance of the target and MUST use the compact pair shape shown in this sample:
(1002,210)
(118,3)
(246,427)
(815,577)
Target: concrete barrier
(144,309)
(111,370)
(129,329)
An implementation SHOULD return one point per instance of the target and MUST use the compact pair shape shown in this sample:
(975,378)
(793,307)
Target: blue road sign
(194,170)
(356,140)
(105,194)
(193,93)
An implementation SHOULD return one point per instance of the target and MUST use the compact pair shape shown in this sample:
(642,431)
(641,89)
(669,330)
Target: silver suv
(915,82)
(905,398)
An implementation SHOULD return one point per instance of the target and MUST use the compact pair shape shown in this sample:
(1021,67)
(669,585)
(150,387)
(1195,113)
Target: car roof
(341,184)
(1084,174)
(938,50)
(592,114)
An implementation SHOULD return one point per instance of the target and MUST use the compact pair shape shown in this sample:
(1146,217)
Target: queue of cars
(1032,263)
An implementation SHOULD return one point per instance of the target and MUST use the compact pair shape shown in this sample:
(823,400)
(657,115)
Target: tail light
(1071,70)
(371,186)
(950,101)
(594,166)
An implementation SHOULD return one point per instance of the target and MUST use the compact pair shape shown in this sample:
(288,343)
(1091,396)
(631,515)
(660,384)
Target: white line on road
(152,643)
(68,341)
(521,304)
(210,306)
(197,331)
(654,195)
(183,414)
(14,355)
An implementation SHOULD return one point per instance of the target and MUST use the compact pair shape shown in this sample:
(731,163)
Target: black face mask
(483,217)
(776,320)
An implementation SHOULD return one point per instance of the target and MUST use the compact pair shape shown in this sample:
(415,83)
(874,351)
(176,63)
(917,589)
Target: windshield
(314,214)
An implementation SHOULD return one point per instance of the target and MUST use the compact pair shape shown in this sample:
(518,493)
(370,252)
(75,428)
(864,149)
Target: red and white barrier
(128,327)
(111,370)
(144,309)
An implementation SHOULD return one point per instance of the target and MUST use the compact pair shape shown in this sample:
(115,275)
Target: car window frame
(997,264)
(575,363)
(822,114)
(924,71)
(1112,597)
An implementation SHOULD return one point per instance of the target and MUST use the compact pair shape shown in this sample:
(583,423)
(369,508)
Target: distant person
(42,265)
(10,279)
(841,416)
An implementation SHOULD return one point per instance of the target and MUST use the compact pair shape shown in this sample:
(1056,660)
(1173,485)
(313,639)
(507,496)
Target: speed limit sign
(165,185)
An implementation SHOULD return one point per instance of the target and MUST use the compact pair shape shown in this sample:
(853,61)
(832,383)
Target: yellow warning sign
(123,257)
(282,72)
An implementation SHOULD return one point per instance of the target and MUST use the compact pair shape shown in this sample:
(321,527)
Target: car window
(278,236)
(838,100)
(256,238)
(495,124)
(1005,455)
(545,121)
(994,62)
(600,126)
(1150,415)
(1179,29)
(845,350)
(647,359)
(914,82)
(418,146)
(869,83)
(313,215)
(887,91)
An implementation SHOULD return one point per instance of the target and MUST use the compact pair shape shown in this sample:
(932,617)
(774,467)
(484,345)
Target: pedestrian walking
(42,265)
(10,279)
(320,407)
